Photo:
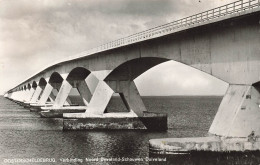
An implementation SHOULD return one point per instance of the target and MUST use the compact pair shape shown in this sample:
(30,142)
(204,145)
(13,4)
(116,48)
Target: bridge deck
(231,10)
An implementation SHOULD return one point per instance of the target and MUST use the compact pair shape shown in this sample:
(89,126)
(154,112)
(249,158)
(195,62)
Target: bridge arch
(131,69)
(78,74)
(62,87)
(77,84)
(34,85)
(55,81)
(42,82)
(55,78)
(50,89)
(29,86)
(121,80)
(37,90)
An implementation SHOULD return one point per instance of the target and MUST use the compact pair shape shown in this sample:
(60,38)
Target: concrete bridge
(223,42)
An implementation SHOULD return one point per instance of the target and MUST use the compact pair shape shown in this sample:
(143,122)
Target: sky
(36,33)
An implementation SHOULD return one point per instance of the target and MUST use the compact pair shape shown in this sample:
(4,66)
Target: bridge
(223,42)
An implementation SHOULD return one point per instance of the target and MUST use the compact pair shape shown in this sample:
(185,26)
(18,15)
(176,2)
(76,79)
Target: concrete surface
(119,121)
(214,144)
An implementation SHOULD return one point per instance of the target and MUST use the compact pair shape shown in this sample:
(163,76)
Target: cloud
(174,78)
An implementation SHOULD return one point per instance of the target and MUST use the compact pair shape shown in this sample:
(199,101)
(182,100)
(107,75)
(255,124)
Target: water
(23,134)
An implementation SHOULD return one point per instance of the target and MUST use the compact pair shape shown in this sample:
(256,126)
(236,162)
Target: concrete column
(40,94)
(63,94)
(56,88)
(36,94)
(100,98)
(84,91)
(52,96)
(46,94)
(130,95)
(28,95)
(239,113)
(68,101)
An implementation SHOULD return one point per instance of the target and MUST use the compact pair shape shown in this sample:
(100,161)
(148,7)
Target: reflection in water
(23,134)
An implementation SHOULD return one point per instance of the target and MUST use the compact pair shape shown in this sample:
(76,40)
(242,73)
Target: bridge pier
(45,95)
(39,88)
(59,106)
(36,94)
(59,101)
(34,98)
(21,97)
(48,93)
(97,105)
(239,113)
(62,94)
(130,95)
(96,117)
(84,91)
(29,93)
(236,126)
(100,99)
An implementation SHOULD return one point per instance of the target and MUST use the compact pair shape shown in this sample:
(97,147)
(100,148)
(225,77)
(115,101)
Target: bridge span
(223,42)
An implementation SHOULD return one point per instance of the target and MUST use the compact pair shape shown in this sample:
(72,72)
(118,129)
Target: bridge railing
(168,28)
(228,9)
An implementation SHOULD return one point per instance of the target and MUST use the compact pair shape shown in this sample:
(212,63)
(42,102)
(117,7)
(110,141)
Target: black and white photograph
(130,82)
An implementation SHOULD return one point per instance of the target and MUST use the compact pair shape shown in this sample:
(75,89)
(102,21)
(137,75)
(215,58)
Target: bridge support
(48,93)
(36,94)
(100,100)
(21,97)
(52,98)
(95,116)
(130,95)
(239,113)
(84,91)
(57,109)
(62,101)
(29,94)
(40,86)
(62,95)
(236,124)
